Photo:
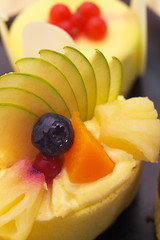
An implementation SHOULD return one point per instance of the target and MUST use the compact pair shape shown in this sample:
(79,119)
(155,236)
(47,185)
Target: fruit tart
(113,27)
(71,147)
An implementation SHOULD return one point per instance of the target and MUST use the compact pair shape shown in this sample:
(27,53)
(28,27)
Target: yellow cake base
(91,221)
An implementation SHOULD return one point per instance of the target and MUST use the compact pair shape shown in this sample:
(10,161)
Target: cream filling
(66,197)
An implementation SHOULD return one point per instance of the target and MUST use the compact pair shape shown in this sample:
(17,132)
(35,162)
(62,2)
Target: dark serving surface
(136,223)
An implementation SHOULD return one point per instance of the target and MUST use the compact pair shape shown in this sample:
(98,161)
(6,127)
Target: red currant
(85,20)
(88,10)
(78,21)
(96,28)
(50,166)
(58,13)
(67,26)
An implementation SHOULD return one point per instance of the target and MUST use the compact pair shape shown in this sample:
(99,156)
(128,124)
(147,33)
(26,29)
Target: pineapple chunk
(22,189)
(130,125)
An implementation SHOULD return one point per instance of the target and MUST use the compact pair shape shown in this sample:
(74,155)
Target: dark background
(137,222)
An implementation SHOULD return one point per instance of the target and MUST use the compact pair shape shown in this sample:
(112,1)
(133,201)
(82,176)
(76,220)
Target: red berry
(78,21)
(69,27)
(88,10)
(50,166)
(96,28)
(58,13)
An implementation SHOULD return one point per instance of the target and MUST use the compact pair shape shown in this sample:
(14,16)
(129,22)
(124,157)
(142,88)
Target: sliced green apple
(116,79)
(37,86)
(86,70)
(102,72)
(26,99)
(51,74)
(16,144)
(72,74)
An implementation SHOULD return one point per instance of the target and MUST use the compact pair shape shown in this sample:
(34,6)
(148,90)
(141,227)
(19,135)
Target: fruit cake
(71,147)
(111,26)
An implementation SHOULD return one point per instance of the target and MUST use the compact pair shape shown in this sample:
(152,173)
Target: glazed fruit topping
(53,134)
(49,166)
(87,20)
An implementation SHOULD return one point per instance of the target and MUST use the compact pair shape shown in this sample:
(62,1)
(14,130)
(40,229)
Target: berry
(71,27)
(58,13)
(53,134)
(66,25)
(78,21)
(49,166)
(96,28)
(89,10)
(86,20)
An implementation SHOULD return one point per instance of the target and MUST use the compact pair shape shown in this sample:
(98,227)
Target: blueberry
(53,134)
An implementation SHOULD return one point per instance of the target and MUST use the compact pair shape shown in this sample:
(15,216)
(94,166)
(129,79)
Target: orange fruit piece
(86,160)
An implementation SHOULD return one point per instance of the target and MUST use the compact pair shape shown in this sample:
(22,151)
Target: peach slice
(86,161)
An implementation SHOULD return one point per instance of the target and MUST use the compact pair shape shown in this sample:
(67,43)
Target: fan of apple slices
(55,82)
(69,82)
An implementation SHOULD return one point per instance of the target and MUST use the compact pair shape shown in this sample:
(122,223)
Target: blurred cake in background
(154,5)
(12,7)
(125,35)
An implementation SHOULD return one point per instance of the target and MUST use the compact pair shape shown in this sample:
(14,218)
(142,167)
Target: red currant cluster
(86,20)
